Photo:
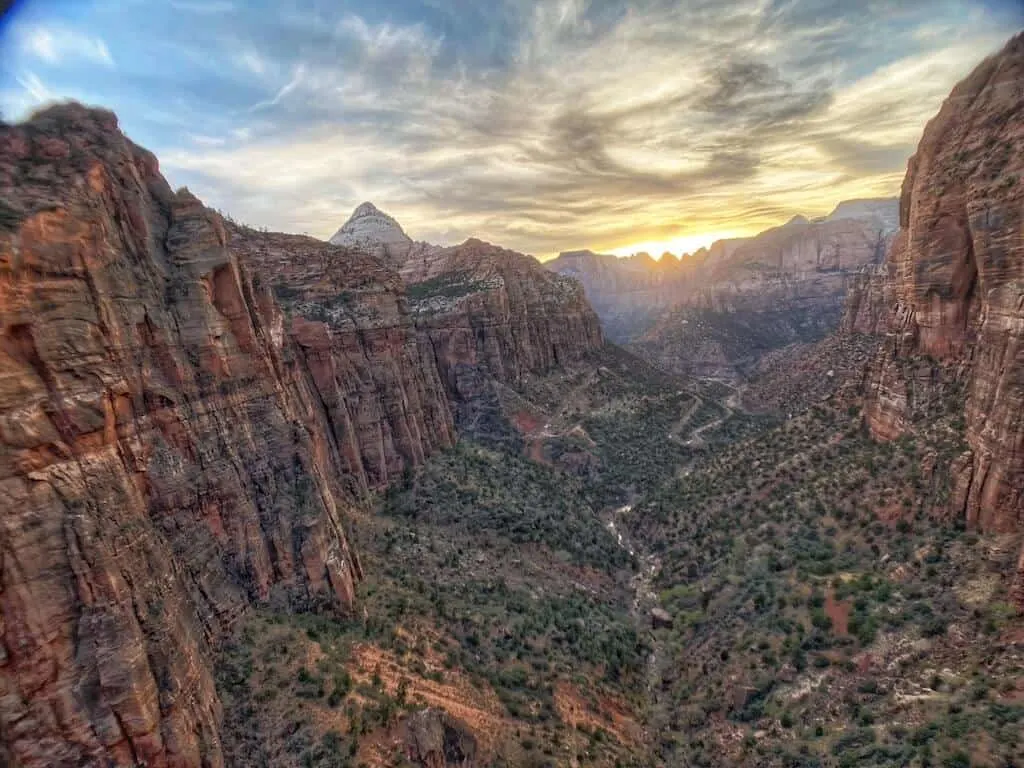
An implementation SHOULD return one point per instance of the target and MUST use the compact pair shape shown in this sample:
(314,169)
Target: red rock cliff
(173,445)
(487,314)
(354,339)
(953,286)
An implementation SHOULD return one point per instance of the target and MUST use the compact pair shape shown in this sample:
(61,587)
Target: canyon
(190,410)
(275,500)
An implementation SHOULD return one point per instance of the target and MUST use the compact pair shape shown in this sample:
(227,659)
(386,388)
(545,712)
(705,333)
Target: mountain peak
(371,229)
(367,209)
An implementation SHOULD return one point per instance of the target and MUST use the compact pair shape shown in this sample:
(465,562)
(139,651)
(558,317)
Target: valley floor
(822,610)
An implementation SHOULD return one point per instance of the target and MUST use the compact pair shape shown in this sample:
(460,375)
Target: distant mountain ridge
(798,273)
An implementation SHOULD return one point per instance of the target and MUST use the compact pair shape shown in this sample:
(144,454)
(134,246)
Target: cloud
(543,124)
(55,45)
(285,89)
(36,89)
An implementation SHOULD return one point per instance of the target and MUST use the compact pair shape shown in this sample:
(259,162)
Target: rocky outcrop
(346,312)
(435,739)
(952,291)
(372,230)
(176,443)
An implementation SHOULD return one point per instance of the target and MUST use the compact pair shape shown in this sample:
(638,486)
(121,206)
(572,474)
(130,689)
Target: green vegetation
(451,285)
(483,493)
(816,591)
(825,611)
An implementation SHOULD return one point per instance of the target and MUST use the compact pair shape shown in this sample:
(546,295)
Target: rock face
(384,401)
(174,446)
(786,285)
(490,315)
(882,210)
(485,317)
(952,290)
(435,739)
(626,293)
(373,230)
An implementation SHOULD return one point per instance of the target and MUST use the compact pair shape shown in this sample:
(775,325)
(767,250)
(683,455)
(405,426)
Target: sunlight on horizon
(677,245)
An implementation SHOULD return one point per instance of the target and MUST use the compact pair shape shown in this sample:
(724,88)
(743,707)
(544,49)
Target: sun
(677,245)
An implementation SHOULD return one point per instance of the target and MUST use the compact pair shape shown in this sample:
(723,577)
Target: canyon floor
(820,608)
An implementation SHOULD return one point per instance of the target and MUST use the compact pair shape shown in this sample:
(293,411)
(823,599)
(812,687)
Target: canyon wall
(951,293)
(176,443)
(354,339)
(491,316)
(189,409)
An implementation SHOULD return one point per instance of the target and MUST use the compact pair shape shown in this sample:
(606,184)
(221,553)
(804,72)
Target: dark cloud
(859,158)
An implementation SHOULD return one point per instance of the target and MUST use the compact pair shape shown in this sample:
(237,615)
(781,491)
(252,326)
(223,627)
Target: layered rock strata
(174,445)
(952,290)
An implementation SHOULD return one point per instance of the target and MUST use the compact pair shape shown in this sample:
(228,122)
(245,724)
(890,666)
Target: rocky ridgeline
(804,264)
(187,411)
(950,296)
(487,316)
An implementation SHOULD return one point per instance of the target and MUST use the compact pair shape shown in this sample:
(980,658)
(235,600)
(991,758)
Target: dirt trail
(731,404)
(678,426)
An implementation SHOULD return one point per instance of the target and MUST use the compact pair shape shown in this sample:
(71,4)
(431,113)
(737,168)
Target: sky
(542,126)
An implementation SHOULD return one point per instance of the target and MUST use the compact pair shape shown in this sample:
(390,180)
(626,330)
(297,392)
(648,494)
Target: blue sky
(540,125)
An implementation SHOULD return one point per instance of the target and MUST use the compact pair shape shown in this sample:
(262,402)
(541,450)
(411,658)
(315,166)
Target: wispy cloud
(56,45)
(284,90)
(550,123)
(35,88)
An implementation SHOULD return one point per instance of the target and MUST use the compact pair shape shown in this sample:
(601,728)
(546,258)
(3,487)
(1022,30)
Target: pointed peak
(370,228)
(366,209)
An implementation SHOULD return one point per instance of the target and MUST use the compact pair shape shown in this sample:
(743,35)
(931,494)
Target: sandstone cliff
(626,293)
(485,317)
(353,334)
(950,298)
(786,285)
(173,445)
(490,315)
